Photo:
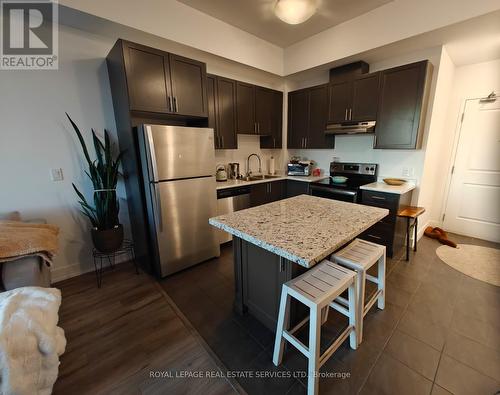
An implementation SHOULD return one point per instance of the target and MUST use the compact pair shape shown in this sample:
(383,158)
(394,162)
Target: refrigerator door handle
(151,153)
(159,216)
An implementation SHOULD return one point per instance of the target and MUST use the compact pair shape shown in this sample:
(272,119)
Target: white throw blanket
(30,340)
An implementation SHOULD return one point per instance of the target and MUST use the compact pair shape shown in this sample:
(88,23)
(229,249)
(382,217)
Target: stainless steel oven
(334,193)
(352,175)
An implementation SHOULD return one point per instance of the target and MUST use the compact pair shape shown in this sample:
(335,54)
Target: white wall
(35,137)
(394,21)
(359,148)
(176,21)
(438,147)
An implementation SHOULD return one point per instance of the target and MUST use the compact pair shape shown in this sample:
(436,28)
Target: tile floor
(439,332)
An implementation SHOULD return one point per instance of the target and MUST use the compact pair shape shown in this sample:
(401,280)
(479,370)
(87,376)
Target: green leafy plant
(103,172)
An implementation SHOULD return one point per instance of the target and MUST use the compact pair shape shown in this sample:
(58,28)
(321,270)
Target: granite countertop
(303,229)
(383,187)
(238,183)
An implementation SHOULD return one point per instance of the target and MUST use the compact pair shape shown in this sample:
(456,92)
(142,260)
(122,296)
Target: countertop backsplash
(248,144)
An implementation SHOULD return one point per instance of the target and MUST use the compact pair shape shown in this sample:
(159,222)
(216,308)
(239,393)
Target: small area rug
(481,263)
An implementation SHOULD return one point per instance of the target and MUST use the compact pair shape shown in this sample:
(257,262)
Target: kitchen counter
(303,229)
(239,183)
(383,187)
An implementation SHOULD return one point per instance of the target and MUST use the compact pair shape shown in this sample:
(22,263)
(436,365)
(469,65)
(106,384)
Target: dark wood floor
(122,333)
(438,333)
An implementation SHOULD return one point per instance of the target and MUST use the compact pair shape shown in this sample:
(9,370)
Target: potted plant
(107,232)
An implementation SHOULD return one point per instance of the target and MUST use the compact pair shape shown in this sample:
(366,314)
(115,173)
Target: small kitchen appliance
(355,175)
(234,170)
(300,168)
(220,173)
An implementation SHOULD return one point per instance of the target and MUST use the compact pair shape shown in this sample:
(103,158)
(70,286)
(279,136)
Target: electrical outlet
(406,172)
(56,174)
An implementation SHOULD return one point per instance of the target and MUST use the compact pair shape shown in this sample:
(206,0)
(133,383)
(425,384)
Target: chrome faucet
(248,164)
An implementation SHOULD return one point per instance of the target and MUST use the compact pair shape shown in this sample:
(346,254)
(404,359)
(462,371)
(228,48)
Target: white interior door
(473,206)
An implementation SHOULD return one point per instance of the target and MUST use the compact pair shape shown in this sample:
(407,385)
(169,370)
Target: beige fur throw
(19,239)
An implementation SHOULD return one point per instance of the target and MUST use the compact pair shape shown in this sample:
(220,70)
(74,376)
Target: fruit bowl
(394,181)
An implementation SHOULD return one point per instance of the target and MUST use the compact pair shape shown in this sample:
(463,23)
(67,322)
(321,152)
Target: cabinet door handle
(305,142)
(345,115)
(255,127)
(282,264)
(258,127)
(169,104)
(350,114)
(274,142)
(378,197)
(222,141)
(375,237)
(175,105)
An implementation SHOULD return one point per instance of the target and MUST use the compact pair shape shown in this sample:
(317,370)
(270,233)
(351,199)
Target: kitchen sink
(260,177)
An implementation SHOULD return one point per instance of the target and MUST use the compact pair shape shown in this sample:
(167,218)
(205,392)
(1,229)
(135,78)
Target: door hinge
(444,215)
(452,169)
(462,118)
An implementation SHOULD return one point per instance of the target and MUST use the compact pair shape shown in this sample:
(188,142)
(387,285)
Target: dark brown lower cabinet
(391,230)
(295,188)
(267,192)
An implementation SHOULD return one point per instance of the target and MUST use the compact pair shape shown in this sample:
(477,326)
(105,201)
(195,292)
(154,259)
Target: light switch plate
(56,174)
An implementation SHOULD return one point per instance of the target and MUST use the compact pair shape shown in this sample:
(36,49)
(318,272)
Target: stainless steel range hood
(351,128)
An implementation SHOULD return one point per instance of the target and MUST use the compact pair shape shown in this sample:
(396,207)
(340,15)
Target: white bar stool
(317,288)
(359,256)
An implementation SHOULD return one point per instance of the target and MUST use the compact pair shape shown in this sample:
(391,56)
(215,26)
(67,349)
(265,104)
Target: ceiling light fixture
(295,11)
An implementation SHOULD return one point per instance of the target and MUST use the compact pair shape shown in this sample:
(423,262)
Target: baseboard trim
(76,269)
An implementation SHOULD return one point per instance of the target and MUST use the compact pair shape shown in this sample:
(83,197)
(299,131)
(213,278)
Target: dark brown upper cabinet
(188,79)
(147,80)
(257,112)
(355,100)
(164,83)
(245,109)
(307,117)
(222,110)
(402,106)
(273,136)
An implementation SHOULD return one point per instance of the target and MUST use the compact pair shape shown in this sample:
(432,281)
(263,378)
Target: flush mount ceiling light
(295,11)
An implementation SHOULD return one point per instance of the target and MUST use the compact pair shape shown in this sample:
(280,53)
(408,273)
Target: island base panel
(259,277)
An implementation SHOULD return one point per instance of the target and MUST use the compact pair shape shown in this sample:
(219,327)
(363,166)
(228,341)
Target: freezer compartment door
(182,209)
(179,152)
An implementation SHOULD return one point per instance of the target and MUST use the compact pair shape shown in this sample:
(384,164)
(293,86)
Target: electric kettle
(220,173)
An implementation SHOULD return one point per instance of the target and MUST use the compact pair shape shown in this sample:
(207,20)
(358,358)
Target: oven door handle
(333,191)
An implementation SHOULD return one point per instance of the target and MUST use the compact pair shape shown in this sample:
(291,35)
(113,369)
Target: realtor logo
(29,35)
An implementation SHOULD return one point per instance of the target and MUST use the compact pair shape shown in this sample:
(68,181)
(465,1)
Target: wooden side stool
(361,255)
(411,212)
(317,289)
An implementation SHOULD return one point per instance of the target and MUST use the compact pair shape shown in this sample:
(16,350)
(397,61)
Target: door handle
(305,142)
(274,142)
(345,115)
(158,213)
(175,104)
(169,104)
(258,127)
(350,114)
(378,197)
(255,127)
(222,141)
(375,237)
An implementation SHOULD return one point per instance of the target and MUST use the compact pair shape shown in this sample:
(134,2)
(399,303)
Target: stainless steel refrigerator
(178,166)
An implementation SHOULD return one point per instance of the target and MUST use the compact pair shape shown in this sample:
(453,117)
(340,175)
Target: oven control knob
(372,169)
(367,169)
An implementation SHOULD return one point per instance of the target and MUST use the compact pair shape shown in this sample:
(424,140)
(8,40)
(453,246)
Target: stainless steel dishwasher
(228,201)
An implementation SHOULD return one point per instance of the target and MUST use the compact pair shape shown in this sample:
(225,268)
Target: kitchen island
(276,242)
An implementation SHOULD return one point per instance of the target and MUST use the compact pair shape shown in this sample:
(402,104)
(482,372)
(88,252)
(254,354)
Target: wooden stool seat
(411,212)
(317,289)
(361,255)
